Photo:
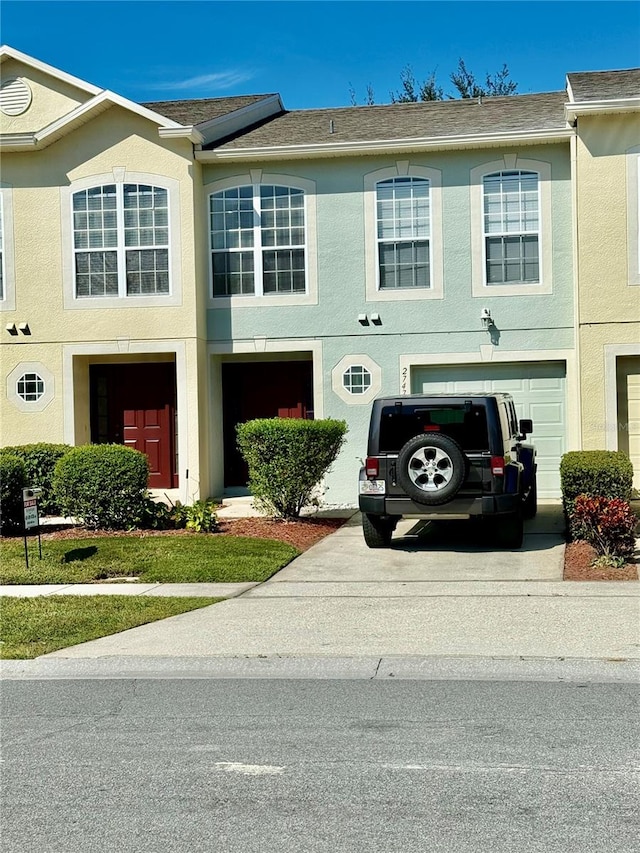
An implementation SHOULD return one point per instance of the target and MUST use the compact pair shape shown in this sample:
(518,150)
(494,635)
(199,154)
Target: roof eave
(229,123)
(617,105)
(18,142)
(186,132)
(84,113)
(337,149)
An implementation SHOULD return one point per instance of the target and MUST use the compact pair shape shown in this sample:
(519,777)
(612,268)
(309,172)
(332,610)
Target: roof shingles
(605,85)
(423,120)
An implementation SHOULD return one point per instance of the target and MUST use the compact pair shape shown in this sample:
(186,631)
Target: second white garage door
(538,390)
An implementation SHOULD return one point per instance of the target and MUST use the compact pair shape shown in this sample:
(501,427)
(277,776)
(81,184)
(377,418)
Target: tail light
(372,467)
(497,466)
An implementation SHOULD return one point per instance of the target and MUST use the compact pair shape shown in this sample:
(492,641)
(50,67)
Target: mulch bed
(302,534)
(577,566)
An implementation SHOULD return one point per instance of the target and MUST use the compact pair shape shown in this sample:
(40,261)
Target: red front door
(134,404)
(262,389)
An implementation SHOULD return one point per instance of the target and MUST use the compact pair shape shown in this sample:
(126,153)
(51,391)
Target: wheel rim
(430,469)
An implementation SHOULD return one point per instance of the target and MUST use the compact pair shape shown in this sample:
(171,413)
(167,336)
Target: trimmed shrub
(604,473)
(606,523)
(12,481)
(287,459)
(103,485)
(39,463)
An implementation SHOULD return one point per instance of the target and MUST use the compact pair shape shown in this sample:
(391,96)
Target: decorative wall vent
(15,97)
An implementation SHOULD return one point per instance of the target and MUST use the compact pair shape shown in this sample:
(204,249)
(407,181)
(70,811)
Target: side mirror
(525,426)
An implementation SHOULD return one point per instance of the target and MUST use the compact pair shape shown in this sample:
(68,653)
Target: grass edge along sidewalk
(30,627)
(191,558)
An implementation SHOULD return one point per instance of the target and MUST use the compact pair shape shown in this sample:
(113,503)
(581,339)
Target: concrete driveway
(429,551)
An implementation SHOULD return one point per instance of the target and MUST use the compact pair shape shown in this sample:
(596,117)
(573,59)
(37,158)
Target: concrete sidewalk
(440,592)
(432,595)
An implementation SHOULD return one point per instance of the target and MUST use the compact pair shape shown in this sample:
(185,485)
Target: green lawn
(152,559)
(30,627)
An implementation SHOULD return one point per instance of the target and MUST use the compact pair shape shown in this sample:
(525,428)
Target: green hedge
(12,481)
(103,485)
(39,463)
(596,473)
(604,473)
(287,459)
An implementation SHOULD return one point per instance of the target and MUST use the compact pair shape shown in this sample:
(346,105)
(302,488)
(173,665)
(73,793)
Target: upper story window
(121,241)
(511,227)
(511,214)
(403,232)
(258,241)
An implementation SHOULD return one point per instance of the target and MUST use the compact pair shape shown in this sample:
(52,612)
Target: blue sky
(312,53)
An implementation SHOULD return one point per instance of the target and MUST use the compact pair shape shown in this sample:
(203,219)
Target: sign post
(31,518)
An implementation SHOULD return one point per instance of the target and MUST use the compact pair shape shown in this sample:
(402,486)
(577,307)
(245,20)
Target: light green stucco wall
(449,325)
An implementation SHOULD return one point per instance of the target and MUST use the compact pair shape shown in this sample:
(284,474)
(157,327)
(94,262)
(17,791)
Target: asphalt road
(242,765)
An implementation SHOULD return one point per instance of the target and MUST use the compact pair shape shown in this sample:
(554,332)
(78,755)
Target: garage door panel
(539,393)
(546,414)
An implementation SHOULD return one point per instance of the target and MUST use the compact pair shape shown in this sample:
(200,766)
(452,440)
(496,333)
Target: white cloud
(211,82)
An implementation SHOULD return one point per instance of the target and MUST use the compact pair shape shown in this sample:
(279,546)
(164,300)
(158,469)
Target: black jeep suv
(447,456)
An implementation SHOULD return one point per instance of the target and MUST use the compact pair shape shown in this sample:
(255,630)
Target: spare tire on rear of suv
(431,468)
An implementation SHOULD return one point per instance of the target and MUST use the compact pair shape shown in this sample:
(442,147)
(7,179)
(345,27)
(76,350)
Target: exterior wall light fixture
(487,320)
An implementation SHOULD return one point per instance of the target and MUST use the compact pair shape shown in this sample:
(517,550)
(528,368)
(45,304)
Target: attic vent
(15,97)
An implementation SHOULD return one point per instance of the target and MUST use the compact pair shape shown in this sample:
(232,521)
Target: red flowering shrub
(606,523)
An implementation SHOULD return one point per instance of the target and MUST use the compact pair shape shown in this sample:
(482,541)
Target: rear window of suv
(465,424)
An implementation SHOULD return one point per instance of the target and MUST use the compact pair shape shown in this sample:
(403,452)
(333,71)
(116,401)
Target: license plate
(372,487)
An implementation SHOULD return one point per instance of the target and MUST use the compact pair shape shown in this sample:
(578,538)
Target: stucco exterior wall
(608,304)
(448,325)
(50,98)
(67,334)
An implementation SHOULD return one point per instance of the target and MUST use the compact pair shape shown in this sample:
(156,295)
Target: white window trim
(509,163)
(12,386)
(120,175)
(256,177)
(352,361)
(402,169)
(8,302)
(633,214)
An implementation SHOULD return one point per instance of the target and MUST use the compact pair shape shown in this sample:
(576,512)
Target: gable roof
(431,123)
(603,85)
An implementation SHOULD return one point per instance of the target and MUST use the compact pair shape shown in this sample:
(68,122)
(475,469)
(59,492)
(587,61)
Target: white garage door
(538,390)
(629,412)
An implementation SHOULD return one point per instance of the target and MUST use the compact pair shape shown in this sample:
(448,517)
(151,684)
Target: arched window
(403,225)
(511,214)
(121,241)
(258,241)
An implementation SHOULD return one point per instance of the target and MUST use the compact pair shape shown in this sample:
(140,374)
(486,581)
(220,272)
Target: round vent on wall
(15,97)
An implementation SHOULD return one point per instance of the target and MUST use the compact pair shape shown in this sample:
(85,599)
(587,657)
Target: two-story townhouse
(392,249)
(103,313)
(604,108)
(253,261)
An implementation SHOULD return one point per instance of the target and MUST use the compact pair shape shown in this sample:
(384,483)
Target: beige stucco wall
(608,305)
(50,98)
(66,334)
